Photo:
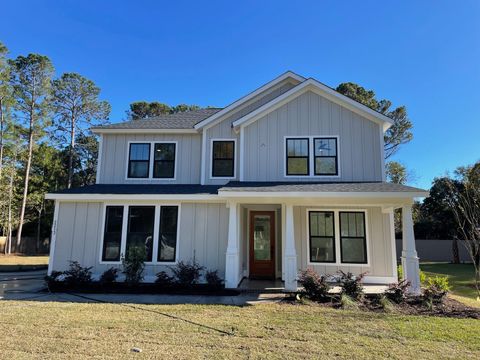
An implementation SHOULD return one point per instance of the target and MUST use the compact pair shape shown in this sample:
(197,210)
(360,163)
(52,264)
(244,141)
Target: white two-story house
(290,176)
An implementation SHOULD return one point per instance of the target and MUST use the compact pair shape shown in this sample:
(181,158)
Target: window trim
(326,237)
(338,260)
(311,157)
(129,149)
(297,157)
(151,160)
(211,176)
(156,231)
(356,237)
(316,156)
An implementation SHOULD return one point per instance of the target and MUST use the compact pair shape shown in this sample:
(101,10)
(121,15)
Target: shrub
(397,292)
(187,273)
(78,275)
(386,303)
(436,289)
(351,285)
(347,302)
(53,278)
(164,280)
(213,279)
(315,286)
(109,276)
(133,265)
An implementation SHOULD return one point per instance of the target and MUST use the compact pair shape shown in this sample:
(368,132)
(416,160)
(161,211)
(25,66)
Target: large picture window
(322,236)
(164,160)
(353,242)
(139,160)
(167,238)
(112,237)
(223,158)
(140,230)
(325,155)
(298,156)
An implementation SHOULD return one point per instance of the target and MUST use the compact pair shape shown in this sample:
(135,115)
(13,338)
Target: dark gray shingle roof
(181,120)
(350,187)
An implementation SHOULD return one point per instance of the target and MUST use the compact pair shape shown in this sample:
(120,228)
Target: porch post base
(291,273)
(232,277)
(411,272)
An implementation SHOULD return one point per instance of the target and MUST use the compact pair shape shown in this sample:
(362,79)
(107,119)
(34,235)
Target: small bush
(187,273)
(347,302)
(315,286)
(53,278)
(436,289)
(351,285)
(109,276)
(78,275)
(213,279)
(133,265)
(164,280)
(386,303)
(397,292)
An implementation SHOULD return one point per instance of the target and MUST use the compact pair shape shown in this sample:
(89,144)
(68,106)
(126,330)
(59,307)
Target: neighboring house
(290,176)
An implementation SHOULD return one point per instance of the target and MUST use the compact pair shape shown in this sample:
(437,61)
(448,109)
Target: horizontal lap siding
(115,158)
(310,115)
(380,245)
(203,236)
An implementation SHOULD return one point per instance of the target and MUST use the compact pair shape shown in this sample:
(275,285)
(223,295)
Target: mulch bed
(414,306)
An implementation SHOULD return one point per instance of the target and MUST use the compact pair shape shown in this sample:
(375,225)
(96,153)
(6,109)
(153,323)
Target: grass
(461,278)
(56,330)
(23,260)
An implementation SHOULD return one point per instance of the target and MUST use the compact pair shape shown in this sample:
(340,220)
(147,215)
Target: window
(322,236)
(223,158)
(167,243)
(140,229)
(325,156)
(164,160)
(112,237)
(298,156)
(353,242)
(139,160)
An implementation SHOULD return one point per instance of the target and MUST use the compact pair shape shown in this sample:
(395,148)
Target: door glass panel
(261,237)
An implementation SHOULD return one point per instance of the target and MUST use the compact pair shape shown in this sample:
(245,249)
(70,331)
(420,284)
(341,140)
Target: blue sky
(422,54)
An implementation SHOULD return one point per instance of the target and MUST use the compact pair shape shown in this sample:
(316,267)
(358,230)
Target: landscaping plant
(315,286)
(397,292)
(213,279)
(78,275)
(134,265)
(351,285)
(109,276)
(187,273)
(164,280)
(436,289)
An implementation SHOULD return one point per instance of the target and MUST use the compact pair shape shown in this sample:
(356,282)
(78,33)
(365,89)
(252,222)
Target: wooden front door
(262,244)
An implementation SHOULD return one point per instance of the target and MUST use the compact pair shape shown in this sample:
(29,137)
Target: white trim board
(322,90)
(143,131)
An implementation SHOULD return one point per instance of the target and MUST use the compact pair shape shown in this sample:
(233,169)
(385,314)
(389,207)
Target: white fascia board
(134,197)
(319,195)
(239,102)
(322,90)
(144,131)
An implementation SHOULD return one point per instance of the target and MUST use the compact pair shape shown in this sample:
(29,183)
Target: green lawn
(57,330)
(23,260)
(461,277)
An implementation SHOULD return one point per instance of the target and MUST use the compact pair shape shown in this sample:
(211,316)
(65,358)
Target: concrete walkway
(30,286)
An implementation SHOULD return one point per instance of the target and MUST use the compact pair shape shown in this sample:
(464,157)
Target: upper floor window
(311,156)
(223,158)
(164,160)
(139,160)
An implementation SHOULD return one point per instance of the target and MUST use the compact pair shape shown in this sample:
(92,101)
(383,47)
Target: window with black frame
(322,236)
(164,160)
(140,230)
(167,245)
(139,160)
(297,156)
(353,241)
(325,156)
(112,237)
(223,158)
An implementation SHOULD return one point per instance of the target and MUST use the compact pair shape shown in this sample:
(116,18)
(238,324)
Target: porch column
(232,261)
(410,264)
(290,262)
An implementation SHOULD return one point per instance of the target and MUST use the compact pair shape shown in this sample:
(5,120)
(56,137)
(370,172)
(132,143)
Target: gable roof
(248,97)
(181,120)
(322,90)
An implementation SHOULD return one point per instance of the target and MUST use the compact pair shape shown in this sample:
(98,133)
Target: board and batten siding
(223,130)
(203,236)
(360,152)
(379,237)
(115,150)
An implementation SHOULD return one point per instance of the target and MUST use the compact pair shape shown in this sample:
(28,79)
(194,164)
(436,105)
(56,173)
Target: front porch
(295,249)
